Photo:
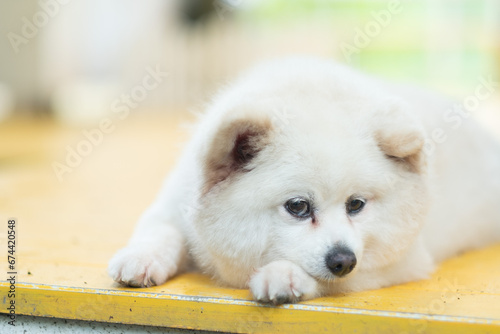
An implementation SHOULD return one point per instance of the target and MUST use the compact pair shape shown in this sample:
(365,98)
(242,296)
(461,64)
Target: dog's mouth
(327,277)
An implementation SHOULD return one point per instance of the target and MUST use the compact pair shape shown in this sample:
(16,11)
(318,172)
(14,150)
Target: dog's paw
(282,282)
(142,266)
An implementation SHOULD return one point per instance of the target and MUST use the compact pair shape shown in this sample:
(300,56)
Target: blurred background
(71,59)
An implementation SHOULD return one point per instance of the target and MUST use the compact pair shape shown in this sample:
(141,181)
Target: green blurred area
(443,44)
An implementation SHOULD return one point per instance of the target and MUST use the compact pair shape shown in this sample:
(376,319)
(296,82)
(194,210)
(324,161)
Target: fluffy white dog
(306,178)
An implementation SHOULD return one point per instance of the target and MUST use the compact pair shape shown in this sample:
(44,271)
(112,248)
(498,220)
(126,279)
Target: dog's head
(332,186)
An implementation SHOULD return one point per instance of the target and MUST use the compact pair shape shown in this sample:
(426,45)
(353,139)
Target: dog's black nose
(340,260)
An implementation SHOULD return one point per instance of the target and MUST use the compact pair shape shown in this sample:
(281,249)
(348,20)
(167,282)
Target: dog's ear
(234,146)
(400,136)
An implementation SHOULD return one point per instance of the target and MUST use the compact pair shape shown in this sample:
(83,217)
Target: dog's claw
(283,299)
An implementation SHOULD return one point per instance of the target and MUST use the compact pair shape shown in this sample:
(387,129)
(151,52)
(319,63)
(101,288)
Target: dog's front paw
(142,266)
(282,282)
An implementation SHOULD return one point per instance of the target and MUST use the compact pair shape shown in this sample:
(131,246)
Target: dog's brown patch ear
(233,148)
(401,137)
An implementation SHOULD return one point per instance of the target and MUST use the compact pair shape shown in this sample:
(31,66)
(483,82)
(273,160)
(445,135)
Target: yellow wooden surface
(67,231)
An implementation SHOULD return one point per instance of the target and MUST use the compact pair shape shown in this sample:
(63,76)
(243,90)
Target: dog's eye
(354,205)
(298,207)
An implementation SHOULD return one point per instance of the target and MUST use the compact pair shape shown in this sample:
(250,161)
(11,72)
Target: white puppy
(306,178)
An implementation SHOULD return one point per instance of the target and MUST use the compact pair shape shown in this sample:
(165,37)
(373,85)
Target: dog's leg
(156,252)
(282,282)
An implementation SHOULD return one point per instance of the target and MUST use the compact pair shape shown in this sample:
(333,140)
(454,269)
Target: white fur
(331,132)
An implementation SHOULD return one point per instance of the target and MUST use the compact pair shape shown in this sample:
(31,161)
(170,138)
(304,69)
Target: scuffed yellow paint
(226,314)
